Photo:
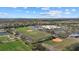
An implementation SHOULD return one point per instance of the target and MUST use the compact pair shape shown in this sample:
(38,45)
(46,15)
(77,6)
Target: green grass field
(4,38)
(62,45)
(34,34)
(7,44)
(16,45)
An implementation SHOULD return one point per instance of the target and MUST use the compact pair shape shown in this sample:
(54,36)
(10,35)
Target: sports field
(59,46)
(34,34)
(7,44)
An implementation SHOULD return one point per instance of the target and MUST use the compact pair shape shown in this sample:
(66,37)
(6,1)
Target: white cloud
(45,8)
(58,12)
(27,11)
(73,10)
(43,13)
(3,14)
(54,12)
(66,9)
(68,12)
(34,12)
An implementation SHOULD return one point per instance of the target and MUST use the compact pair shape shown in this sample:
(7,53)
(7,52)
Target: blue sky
(39,12)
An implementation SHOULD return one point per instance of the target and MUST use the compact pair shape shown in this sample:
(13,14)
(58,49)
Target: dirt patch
(57,40)
(29,30)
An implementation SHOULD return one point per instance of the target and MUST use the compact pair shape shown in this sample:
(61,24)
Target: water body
(4,33)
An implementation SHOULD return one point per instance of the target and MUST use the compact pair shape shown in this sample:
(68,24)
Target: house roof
(74,34)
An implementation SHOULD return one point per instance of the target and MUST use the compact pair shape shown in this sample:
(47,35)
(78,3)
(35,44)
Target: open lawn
(4,38)
(16,45)
(61,45)
(34,34)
